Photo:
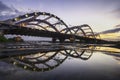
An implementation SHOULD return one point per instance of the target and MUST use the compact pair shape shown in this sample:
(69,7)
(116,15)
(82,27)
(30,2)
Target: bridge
(42,24)
(37,56)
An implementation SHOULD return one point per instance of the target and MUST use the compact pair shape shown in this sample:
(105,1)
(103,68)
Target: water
(71,63)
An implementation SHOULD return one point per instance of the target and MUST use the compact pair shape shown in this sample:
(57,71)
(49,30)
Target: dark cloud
(117,26)
(111,31)
(3,7)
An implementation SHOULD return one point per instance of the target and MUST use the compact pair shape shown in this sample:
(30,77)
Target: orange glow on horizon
(111,36)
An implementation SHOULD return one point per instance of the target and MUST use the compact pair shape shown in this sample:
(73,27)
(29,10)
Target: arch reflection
(48,60)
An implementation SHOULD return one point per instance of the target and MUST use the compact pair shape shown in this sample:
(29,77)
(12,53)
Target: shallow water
(78,63)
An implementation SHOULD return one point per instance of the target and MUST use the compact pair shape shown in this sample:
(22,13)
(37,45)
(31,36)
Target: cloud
(111,31)
(116,8)
(3,7)
(116,12)
(7,12)
(117,26)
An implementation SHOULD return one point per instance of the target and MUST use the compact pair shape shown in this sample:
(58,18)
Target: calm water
(73,63)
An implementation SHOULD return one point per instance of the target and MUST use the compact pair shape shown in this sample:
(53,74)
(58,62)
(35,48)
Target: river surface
(71,63)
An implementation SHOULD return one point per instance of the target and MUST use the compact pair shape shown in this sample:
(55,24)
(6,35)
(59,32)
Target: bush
(3,39)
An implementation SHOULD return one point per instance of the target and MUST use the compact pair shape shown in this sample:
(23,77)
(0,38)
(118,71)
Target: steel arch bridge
(44,24)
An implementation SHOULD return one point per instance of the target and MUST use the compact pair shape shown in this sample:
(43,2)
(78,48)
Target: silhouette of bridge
(44,24)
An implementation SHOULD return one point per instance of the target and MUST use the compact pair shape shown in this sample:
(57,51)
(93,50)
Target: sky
(101,15)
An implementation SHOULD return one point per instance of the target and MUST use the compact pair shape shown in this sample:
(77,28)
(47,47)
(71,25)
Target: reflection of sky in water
(99,66)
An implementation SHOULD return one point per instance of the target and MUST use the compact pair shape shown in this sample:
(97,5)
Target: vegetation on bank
(3,39)
(15,39)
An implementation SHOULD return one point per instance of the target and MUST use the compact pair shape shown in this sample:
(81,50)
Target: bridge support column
(54,40)
(72,39)
(61,40)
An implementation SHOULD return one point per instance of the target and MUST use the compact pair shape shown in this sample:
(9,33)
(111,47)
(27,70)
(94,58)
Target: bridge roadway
(18,30)
(16,49)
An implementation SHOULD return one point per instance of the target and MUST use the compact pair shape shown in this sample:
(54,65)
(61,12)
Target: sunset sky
(101,15)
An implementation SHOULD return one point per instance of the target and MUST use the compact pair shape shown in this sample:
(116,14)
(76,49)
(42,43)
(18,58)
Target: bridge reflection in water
(47,57)
(66,61)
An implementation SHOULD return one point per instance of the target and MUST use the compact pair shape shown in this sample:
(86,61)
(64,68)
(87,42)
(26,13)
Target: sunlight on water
(108,49)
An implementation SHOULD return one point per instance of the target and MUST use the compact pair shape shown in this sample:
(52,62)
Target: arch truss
(39,20)
(50,22)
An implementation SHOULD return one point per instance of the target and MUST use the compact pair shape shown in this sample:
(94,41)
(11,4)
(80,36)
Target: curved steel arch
(90,31)
(85,32)
(50,25)
(38,26)
(46,17)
